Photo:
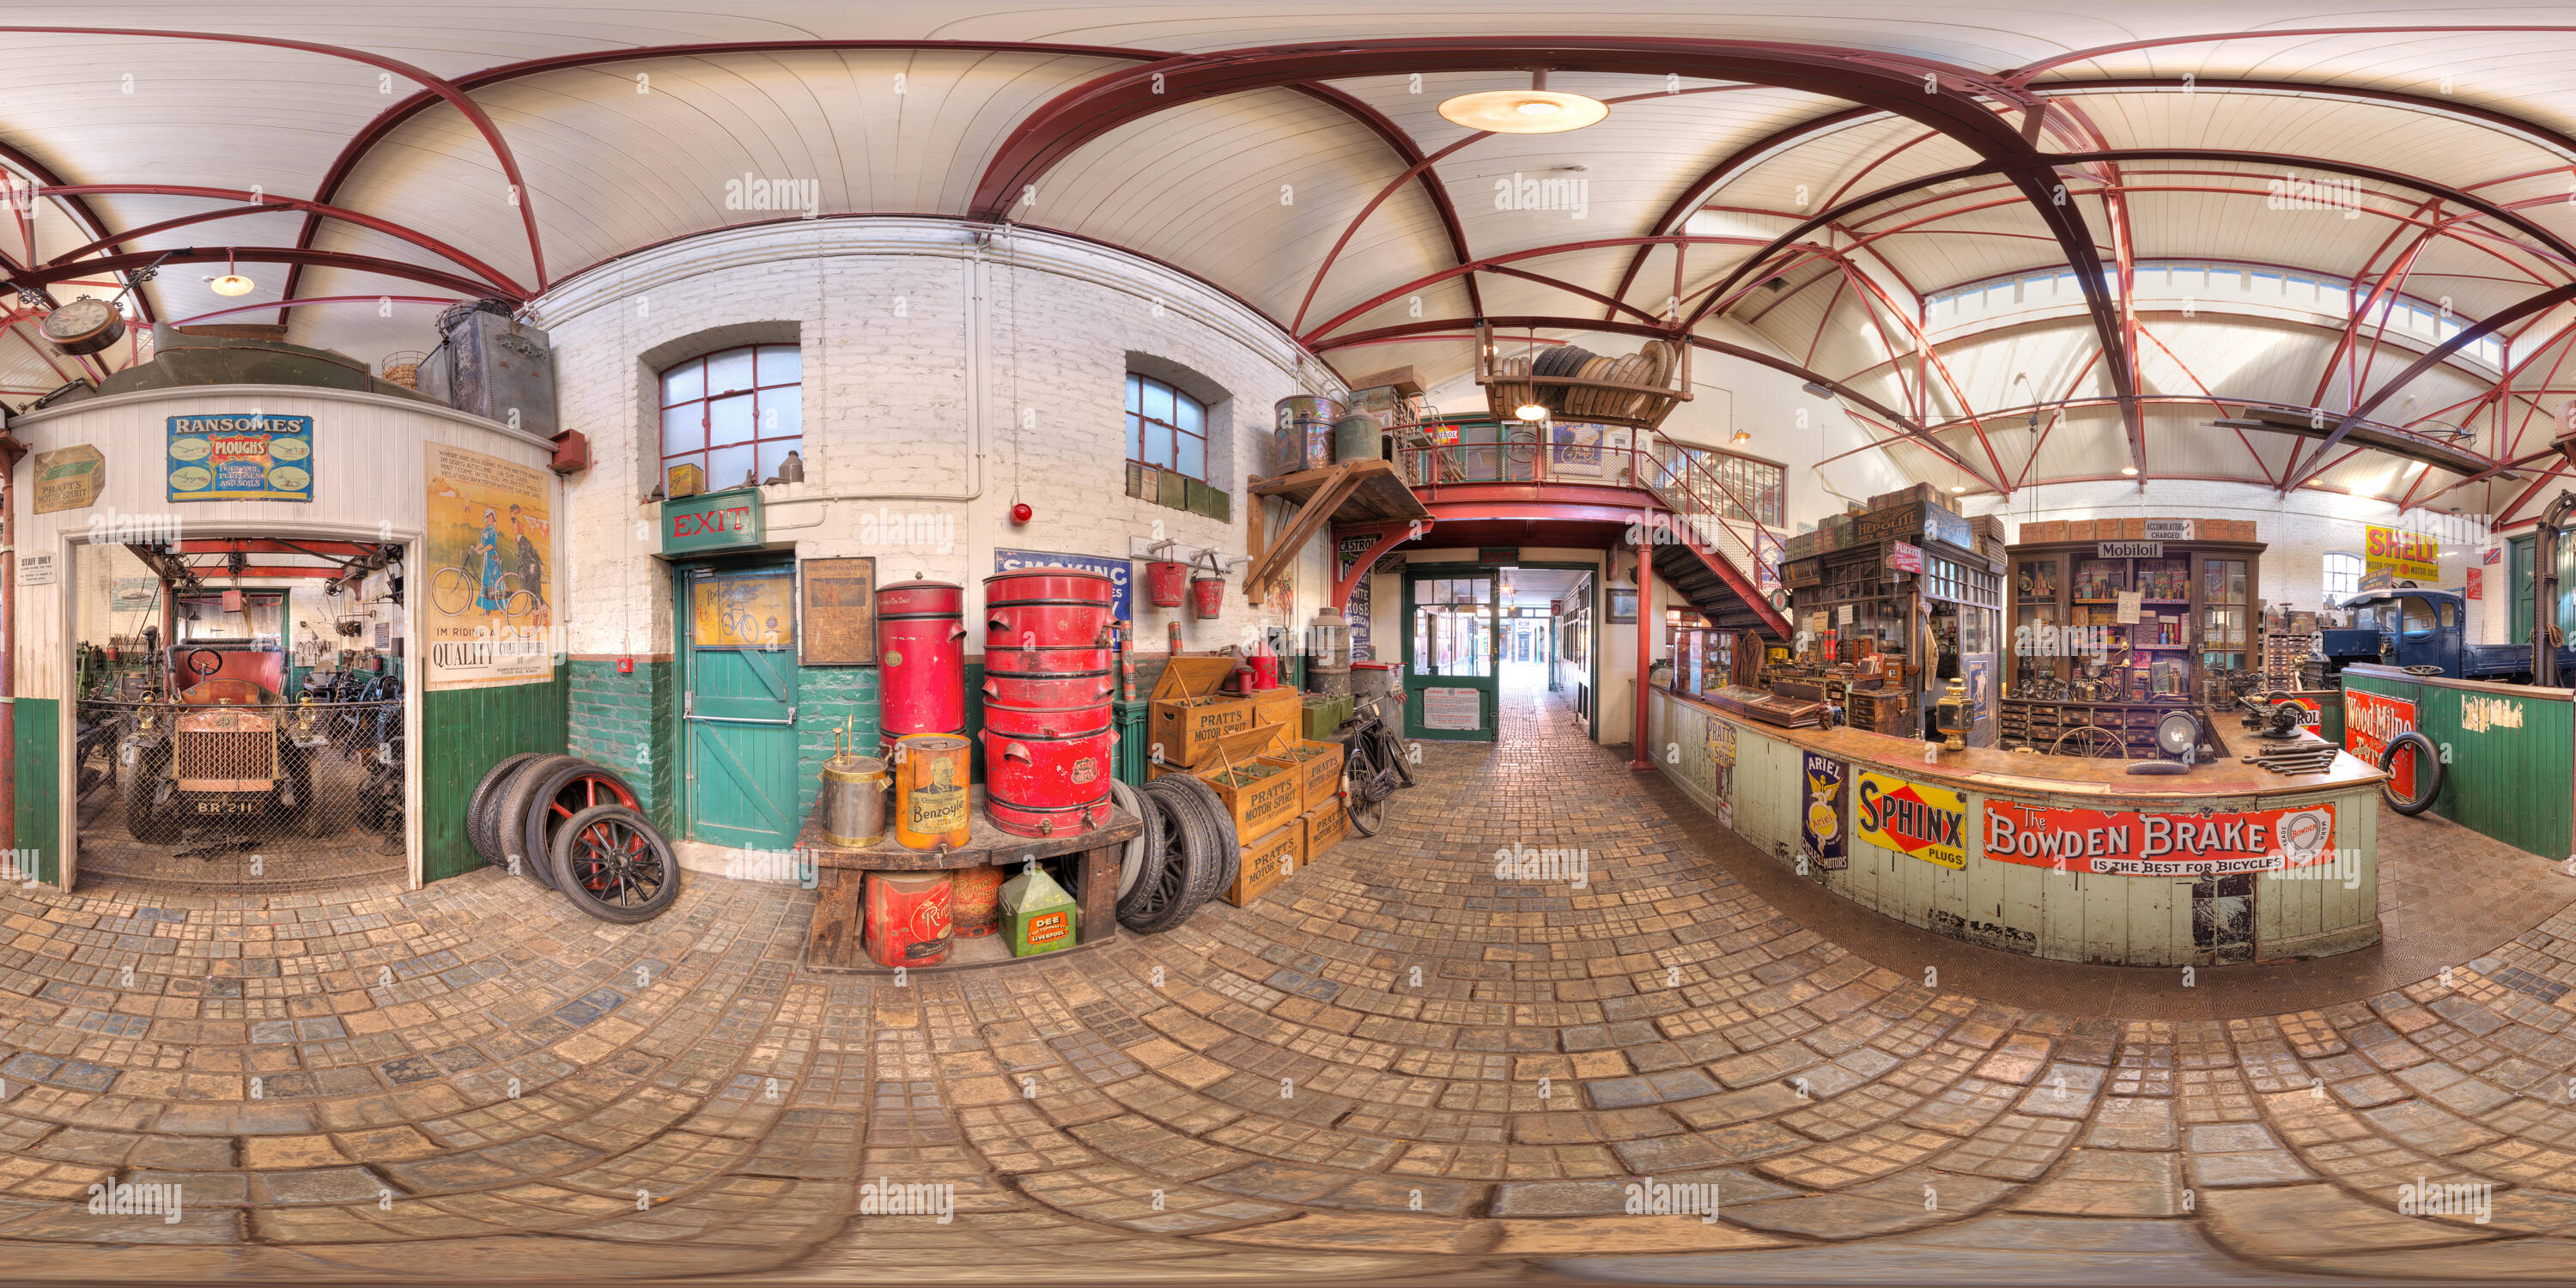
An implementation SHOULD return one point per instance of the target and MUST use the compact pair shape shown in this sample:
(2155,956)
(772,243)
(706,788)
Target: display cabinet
(2105,634)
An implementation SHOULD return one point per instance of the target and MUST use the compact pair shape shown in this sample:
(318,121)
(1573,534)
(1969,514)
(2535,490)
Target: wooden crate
(1186,719)
(1322,828)
(1273,858)
(1319,772)
(1272,797)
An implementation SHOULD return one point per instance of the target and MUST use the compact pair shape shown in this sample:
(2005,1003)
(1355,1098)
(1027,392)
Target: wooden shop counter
(833,942)
(2059,857)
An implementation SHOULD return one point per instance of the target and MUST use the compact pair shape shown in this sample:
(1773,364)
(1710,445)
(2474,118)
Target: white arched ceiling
(1253,191)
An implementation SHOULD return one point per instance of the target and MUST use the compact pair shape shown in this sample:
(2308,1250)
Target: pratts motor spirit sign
(1926,822)
(2212,844)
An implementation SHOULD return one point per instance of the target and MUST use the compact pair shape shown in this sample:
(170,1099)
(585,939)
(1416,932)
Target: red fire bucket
(1166,582)
(1207,595)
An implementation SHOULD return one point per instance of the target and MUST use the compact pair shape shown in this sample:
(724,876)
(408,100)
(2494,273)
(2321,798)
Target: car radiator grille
(233,754)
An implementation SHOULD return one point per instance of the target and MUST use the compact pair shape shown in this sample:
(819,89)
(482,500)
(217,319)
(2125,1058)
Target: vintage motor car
(231,750)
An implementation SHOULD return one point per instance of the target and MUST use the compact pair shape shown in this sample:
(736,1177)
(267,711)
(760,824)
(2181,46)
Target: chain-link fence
(242,796)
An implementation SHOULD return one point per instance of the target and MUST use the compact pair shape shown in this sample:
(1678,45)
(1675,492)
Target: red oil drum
(975,905)
(1047,661)
(1062,689)
(907,918)
(1265,670)
(1045,722)
(1166,583)
(1048,608)
(921,658)
(1063,820)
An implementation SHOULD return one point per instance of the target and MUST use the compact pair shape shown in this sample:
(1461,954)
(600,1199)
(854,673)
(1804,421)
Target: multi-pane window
(737,413)
(2343,575)
(1166,428)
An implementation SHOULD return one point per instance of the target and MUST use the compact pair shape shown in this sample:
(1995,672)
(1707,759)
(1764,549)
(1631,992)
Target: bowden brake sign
(730,520)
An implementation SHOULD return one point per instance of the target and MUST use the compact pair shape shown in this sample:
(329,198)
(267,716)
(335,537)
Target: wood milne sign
(2370,722)
(731,520)
(2139,845)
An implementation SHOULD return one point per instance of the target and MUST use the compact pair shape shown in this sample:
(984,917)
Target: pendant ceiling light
(232,282)
(1536,110)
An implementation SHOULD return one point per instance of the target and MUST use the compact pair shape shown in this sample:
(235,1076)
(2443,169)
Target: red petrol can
(907,918)
(921,658)
(1265,670)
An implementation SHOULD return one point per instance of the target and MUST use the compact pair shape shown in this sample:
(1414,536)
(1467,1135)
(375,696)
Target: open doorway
(1478,637)
(241,715)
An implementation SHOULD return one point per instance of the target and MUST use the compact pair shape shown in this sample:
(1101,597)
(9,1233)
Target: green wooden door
(737,633)
(1452,637)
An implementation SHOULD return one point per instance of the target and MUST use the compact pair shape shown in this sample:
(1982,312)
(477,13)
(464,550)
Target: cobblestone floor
(1396,1067)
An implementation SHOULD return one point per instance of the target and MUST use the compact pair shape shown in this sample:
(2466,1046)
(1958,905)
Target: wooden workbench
(834,942)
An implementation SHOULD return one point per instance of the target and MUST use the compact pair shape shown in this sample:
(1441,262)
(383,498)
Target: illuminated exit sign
(713,521)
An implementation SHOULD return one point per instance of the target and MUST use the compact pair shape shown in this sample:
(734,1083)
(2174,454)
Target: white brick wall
(909,422)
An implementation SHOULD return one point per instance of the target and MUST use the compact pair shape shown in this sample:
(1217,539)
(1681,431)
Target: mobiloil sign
(1926,822)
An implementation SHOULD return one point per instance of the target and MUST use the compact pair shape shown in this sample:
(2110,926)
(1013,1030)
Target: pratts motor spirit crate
(1236,748)
(1277,706)
(2079,529)
(1322,828)
(2044,530)
(1912,521)
(1187,716)
(1273,858)
(1259,794)
(1318,766)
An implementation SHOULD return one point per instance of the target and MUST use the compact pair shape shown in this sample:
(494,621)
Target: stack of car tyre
(577,828)
(1186,855)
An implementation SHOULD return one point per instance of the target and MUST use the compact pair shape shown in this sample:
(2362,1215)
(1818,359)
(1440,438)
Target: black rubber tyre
(135,792)
(510,820)
(478,807)
(2428,772)
(563,790)
(1220,825)
(1192,861)
(612,864)
(1142,859)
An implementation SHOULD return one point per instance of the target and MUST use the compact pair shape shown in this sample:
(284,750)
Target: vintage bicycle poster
(489,606)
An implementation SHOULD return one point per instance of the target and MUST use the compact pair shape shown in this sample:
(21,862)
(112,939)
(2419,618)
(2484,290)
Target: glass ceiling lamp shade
(232,282)
(1536,110)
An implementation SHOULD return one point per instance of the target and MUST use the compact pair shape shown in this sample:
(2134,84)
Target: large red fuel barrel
(921,658)
(1048,608)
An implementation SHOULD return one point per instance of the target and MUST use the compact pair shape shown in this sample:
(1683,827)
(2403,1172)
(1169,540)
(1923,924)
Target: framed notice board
(840,612)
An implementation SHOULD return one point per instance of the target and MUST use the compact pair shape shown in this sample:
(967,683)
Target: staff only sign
(1926,822)
(2134,845)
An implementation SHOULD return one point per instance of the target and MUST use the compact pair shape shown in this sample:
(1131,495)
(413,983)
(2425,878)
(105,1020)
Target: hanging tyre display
(614,865)
(479,806)
(510,819)
(1144,854)
(566,790)
(2418,750)
(1193,859)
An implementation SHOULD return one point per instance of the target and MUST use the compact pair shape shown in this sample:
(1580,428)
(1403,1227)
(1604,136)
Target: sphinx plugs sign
(1910,818)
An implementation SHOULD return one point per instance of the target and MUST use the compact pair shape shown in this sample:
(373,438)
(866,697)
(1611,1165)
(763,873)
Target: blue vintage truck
(2407,626)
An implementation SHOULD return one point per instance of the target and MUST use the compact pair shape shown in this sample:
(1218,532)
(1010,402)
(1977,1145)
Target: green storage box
(1326,713)
(1039,913)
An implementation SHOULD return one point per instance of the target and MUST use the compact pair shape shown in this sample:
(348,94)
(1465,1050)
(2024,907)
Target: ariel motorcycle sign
(1926,822)
(2212,844)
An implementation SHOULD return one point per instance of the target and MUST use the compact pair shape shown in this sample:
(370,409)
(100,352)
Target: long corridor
(1449,1051)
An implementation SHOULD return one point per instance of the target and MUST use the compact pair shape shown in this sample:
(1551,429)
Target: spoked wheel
(2090,740)
(614,865)
(1196,834)
(1391,750)
(450,591)
(517,799)
(567,788)
(1369,786)
(1144,855)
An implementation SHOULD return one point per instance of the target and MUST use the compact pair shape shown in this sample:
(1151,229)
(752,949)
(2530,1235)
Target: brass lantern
(1950,715)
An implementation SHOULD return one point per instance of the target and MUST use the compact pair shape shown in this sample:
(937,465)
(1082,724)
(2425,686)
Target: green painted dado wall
(39,791)
(629,723)
(464,732)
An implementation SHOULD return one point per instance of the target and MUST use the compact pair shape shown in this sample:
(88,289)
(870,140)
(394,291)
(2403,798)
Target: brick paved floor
(1397,1067)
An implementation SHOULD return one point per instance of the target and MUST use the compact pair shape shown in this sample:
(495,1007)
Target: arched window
(736,413)
(2343,575)
(1166,428)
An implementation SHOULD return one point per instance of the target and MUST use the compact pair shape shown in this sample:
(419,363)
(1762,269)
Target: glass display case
(2192,625)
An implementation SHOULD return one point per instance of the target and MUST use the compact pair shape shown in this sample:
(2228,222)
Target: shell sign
(1926,822)
(2406,556)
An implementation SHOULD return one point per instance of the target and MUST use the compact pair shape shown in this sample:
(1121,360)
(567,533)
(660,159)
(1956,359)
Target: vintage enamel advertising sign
(241,458)
(1910,818)
(2212,844)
